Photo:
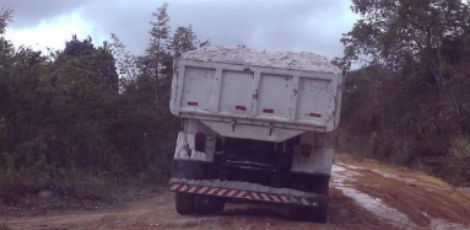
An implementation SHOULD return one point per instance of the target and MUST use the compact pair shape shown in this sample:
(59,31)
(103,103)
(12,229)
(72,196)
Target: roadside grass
(27,193)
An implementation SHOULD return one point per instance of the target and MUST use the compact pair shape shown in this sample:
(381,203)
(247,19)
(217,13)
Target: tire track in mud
(159,213)
(408,199)
(345,179)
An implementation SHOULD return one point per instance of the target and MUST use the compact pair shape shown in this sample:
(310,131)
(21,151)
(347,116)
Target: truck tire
(185,204)
(208,205)
(320,213)
(311,183)
(314,214)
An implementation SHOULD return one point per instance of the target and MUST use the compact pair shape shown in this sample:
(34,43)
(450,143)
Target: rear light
(240,107)
(193,103)
(315,115)
(200,142)
(268,110)
(305,150)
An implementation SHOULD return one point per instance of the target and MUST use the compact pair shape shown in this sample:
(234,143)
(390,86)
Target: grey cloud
(274,25)
(27,13)
(265,24)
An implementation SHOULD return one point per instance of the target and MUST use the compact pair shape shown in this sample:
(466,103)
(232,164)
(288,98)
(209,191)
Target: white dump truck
(255,128)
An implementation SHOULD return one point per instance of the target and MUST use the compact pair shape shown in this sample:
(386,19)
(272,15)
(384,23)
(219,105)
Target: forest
(81,120)
(409,105)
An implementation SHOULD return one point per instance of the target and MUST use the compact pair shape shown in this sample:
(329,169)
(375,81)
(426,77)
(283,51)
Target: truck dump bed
(263,96)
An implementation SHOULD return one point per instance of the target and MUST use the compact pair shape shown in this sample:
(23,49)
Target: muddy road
(363,195)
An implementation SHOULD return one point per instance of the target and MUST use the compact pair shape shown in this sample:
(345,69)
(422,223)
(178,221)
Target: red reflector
(268,110)
(193,103)
(315,115)
(240,107)
(305,150)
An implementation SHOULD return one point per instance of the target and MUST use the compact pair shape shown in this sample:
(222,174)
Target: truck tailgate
(267,97)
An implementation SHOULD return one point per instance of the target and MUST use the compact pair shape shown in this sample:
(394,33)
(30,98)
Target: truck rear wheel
(320,213)
(208,205)
(185,204)
(315,214)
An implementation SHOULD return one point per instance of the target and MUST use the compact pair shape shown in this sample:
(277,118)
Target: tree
(415,83)
(184,39)
(126,63)
(5,18)
(6,48)
(75,47)
(65,116)
(157,51)
(401,33)
(95,64)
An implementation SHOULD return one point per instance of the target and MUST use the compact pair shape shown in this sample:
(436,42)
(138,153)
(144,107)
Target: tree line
(87,109)
(410,102)
(103,111)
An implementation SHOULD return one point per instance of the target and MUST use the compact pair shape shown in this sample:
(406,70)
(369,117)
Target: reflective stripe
(248,196)
(232,193)
(175,187)
(305,202)
(241,194)
(222,192)
(285,199)
(294,200)
(264,196)
(192,189)
(184,188)
(203,190)
(236,193)
(275,198)
(212,191)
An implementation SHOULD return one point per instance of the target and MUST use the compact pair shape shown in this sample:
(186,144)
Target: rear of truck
(255,128)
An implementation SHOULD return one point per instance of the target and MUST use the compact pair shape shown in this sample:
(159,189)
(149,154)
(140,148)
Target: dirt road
(364,195)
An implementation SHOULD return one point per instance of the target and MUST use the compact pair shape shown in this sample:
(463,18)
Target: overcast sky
(273,25)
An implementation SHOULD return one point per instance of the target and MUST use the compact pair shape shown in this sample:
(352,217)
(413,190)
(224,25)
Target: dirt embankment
(364,195)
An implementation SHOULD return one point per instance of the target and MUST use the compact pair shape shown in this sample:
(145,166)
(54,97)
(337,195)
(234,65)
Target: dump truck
(255,127)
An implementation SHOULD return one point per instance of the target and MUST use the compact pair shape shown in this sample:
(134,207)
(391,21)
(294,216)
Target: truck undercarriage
(248,170)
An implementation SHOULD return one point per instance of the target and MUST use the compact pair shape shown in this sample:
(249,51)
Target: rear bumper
(246,191)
